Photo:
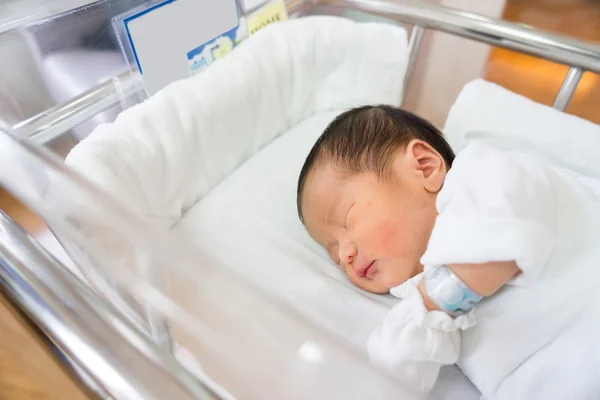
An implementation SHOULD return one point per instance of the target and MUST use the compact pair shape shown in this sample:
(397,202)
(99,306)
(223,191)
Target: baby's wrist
(441,289)
(427,302)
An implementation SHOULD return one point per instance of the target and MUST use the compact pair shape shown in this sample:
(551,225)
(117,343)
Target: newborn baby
(383,193)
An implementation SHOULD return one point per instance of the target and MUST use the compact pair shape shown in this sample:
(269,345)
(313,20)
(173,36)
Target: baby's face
(375,231)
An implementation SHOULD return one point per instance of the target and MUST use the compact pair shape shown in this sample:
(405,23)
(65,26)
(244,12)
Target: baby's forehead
(324,181)
(322,202)
(330,180)
(330,186)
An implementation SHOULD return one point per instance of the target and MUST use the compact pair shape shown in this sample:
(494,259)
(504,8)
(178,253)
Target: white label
(163,35)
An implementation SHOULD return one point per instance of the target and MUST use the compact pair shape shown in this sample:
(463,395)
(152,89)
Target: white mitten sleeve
(414,343)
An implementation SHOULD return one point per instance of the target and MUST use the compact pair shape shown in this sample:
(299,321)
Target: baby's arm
(484,279)
(416,339)
(497,215)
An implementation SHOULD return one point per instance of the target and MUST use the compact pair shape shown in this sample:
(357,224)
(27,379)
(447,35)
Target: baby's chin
(394,280)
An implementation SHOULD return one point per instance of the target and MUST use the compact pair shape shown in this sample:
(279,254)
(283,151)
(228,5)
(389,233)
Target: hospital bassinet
(114,329)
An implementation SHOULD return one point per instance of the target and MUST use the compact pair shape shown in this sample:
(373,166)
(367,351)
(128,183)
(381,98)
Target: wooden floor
(20,214)
(27,372)
(538,79)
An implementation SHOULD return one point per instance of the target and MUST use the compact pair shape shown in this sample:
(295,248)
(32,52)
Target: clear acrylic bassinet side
(250,344)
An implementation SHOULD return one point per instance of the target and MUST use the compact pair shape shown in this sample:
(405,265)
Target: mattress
(249,223)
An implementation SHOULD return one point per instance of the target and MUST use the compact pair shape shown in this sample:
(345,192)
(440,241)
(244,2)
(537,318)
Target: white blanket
(484,109)
(162,156)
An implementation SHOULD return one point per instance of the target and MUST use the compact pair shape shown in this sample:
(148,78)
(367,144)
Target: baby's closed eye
(348,221)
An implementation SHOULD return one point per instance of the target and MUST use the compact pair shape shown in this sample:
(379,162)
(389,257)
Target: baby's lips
(364,270)
(372,270)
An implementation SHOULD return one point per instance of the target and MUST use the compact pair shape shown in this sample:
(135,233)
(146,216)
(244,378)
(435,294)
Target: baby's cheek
(389,237)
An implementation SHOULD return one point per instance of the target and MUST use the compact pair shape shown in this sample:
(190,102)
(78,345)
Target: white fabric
(562,367)
(494,206)
(162,156)
(497,206)
(484,110)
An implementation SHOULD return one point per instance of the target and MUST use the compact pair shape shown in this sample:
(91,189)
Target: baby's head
(367,193)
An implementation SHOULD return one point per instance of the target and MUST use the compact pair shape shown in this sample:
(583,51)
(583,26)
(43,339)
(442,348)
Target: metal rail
(414,46)
(57,120)
(499,33)
(576,53)
(90,336)
(568,87)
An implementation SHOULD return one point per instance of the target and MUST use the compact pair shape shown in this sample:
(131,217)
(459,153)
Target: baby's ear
(428,164)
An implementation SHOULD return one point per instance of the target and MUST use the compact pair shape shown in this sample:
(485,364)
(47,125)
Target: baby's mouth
(366,271)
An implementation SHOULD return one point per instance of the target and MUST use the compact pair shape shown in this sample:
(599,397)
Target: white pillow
(485,110)
(250,223)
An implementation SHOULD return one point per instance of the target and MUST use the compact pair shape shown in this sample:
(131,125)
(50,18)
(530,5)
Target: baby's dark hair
(365,139)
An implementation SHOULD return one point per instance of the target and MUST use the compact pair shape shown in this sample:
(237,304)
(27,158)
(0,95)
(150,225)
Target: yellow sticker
(223,47)
(275,11)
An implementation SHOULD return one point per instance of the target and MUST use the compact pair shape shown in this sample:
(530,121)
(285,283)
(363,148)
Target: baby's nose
(348,252)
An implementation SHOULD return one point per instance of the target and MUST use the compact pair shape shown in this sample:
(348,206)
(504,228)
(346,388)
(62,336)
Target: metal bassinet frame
(92,345)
